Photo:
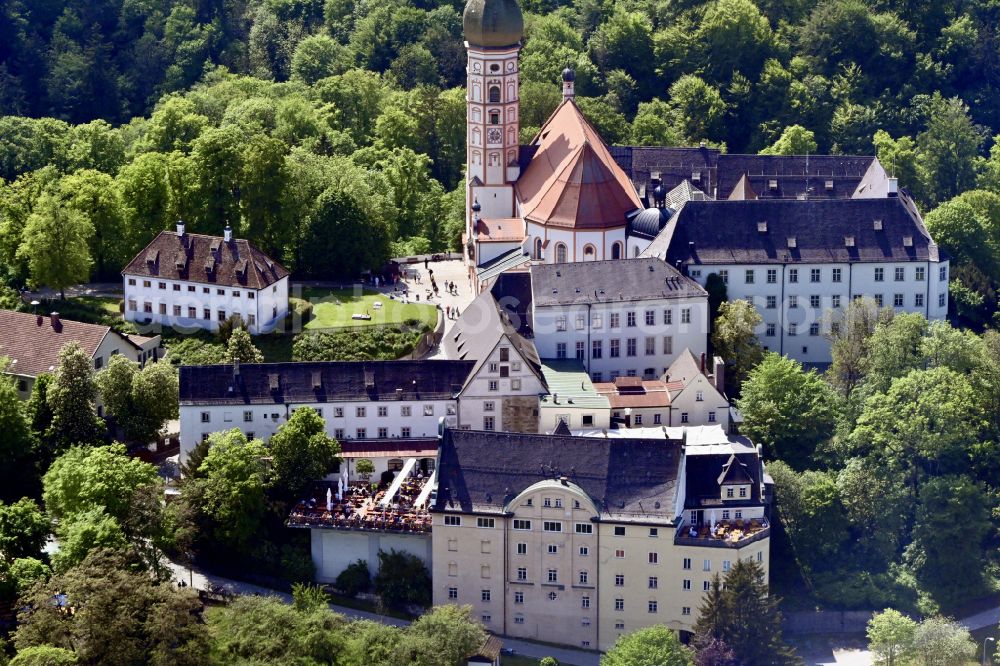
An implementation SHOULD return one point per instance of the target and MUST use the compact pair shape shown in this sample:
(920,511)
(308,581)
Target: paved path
(202,581)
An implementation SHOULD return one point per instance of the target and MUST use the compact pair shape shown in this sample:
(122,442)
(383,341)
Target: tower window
(494,94)
(494,117)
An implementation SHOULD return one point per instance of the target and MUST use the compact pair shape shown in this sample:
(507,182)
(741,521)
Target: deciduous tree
(733,339)
(890,637)
(652,646)
(301,452)
(56,245)
(71,398)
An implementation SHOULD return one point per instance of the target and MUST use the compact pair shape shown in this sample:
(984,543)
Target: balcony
(725,534)
(400,508)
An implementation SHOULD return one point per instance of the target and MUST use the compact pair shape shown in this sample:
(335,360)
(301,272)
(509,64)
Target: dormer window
(791,242)
(878,225)
(907,241)
(849,241)
(829,185)
(762,227)
(772,184)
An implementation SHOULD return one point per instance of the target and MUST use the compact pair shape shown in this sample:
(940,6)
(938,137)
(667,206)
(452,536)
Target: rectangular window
(338,434)
(560,350)
(899,274)
(619,580)
(793,275)
(453,593)
(454,521)
(668,316)
(580,321)
(580,350)
(584,602)
(147,284)
(553,549)
(493,385)
(584,528)
(248,417)
(561,323)
(522,549)
(383,433)
(814,275)
(814,301)
(519,599)
(652,607)
(706,565)
(630,346)
(772,275)
(918,300)
(522,573)
(615,350)
(522,524)
(878,300)
(361,433)
(793,302)
(684,417)
(359,412)
(552,575)
(489,423)
(686,563)
(619,604)
(685,610)
(650,346)
(686,585)
(583,578)
(615,320)
(485,596)
(619,530)
(596,348)
(162,285)
(654,558)
(487,523)
(619,554)
(488,406)
(596,321)
(942,300)
(584,551)
(771,302)
(650,318)
(552,526)
(748,276)
(685,315)
(404,431)
(897,300)
(793,330)
(630,319)
(835,301)
(711,417)
(653,582)
(836,274)
(879,274)
(770,330)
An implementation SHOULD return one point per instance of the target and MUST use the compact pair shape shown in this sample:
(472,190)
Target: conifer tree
(241,348)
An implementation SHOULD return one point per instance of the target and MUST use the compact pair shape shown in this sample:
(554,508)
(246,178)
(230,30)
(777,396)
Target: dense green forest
(336,128)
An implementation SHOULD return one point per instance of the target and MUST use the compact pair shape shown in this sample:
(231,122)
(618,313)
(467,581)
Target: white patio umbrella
(329,499)
(711,517)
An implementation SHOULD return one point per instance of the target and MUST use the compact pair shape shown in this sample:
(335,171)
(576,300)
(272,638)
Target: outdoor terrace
(398,507)
(724,533)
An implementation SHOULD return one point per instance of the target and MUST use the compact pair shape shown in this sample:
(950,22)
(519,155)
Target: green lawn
(333,308)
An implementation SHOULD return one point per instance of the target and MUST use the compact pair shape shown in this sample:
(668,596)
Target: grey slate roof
(609,281)
(727,232)
(628,479)
(718,173)
(334,381)
(704,477)
(480,328)
(649,222)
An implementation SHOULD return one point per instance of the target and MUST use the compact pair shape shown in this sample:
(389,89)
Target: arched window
(494,117)
(589,252)
(494,94)
(616,251)
(561,253)
(538,248)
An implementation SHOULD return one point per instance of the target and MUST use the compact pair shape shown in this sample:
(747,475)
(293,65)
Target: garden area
(336,308)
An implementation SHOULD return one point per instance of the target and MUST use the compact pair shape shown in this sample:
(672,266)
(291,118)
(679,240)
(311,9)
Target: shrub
(360,344)
(355,579)
(194,351)
(402,579)
(296,564)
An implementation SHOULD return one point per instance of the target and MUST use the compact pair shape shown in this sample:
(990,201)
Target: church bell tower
(493,30)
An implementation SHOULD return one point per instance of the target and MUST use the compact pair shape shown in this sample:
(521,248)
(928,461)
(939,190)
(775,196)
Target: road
(202,581)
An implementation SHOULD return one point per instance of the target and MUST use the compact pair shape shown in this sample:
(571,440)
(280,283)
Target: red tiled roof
(636,394)
(500,229)
(572,180)
(34,343)
(206,259)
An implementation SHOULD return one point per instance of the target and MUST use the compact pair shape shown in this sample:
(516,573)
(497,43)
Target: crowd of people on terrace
(362,507)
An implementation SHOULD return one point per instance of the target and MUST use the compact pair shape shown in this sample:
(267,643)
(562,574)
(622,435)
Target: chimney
(568,77)
(719,374)
(236,368)
(555,398)
(892,186)
(180,228)
(703,363)
(228,233)
(56,324)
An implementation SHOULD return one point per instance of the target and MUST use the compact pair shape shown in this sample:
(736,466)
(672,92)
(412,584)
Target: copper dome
(493,23)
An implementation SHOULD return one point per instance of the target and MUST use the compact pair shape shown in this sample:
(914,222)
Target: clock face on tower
(494,135)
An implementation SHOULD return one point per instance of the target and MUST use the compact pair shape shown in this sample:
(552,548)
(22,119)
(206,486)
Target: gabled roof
(572,180)
(734,473)
(327,381)
(33,342)
(825,231)
(205,259)
(608,281)
(480,328)
(743,190)
(627,479)
(684,368)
